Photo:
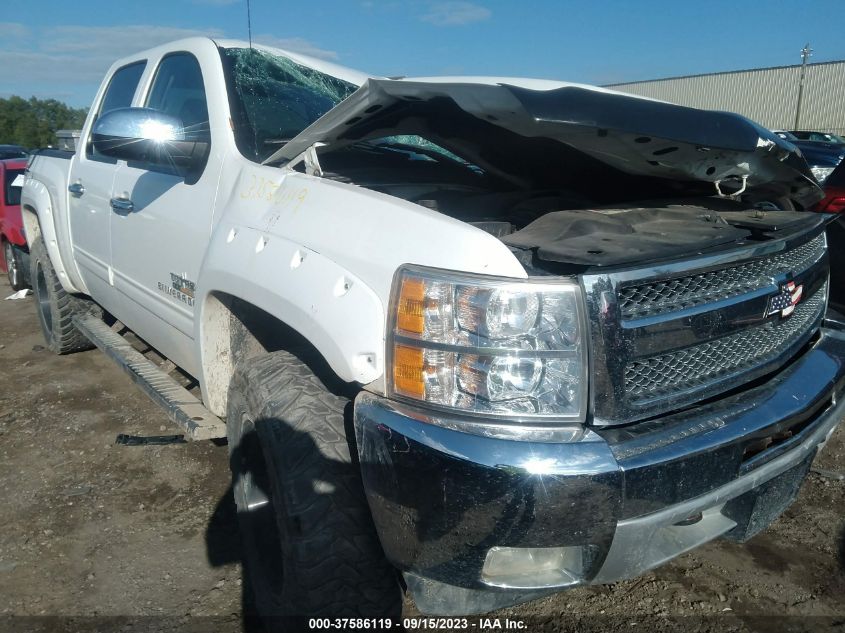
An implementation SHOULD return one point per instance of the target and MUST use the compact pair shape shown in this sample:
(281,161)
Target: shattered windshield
(419,148)
(273,99)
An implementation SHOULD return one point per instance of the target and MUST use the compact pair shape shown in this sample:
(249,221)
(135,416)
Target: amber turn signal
(411,306)
(408,365)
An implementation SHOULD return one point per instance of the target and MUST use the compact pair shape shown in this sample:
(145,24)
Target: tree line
(33,122)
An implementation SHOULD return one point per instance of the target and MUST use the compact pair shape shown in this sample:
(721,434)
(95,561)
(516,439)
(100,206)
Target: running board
(181,406)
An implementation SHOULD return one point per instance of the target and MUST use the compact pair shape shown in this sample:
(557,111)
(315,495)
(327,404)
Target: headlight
(821,173)
(487,345)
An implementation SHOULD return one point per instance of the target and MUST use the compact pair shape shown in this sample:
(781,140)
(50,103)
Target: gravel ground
(90,530)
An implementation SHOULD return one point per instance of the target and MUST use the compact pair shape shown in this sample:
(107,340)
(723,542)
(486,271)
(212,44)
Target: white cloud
(455,13)
(81,54)
(114,41)
(13,30)
(74,58)
(36,66)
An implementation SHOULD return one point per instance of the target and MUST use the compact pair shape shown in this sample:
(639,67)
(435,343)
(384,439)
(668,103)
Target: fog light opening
(533,567)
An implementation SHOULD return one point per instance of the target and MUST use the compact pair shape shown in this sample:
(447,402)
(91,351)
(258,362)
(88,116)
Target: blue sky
(60,49)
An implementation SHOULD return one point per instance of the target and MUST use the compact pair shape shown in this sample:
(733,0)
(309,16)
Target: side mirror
(149,136)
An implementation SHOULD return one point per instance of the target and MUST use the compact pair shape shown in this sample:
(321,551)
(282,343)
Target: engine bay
(560,230)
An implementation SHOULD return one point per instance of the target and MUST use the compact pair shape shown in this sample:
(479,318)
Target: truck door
(89,192)
(161,222)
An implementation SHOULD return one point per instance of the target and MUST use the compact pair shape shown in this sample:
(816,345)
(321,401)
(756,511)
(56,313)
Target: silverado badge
(785,301)
(180,288)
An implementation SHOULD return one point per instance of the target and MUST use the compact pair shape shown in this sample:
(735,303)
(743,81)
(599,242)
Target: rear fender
(39,213)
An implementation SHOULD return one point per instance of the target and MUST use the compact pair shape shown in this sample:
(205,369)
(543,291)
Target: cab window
(178,90)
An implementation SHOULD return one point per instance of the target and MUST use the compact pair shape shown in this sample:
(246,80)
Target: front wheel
(310,546)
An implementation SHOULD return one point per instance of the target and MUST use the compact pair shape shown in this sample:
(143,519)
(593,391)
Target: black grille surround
(665,337)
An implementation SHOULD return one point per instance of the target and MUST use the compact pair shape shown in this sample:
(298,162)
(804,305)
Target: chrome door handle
(122,205)
(76,189)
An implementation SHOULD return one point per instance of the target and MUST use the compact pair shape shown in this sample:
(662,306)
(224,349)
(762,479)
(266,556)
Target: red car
(834,192)
(15,254)
(834,202)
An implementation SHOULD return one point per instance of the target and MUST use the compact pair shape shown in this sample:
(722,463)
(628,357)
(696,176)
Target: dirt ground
(90,529)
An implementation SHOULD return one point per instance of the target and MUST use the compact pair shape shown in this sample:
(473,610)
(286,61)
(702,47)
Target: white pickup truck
(483,339)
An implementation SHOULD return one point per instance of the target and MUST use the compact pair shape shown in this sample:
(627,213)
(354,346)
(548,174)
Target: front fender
(332,308)
(287,243)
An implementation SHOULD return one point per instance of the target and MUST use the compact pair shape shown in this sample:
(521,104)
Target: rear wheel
(14,266)
(56,307)
(310,547)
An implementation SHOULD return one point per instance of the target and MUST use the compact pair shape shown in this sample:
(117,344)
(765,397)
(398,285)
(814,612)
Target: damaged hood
(547,133)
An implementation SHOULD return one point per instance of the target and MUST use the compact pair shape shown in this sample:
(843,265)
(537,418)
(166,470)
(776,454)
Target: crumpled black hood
(616,236)
(608,144)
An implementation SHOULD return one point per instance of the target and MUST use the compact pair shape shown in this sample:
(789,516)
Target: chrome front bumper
(626,500)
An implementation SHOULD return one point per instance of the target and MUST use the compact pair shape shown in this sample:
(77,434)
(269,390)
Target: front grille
(719,359)
(676,294)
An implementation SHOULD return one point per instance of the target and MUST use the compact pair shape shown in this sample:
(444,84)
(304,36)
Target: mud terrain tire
(55,306)
(309,544)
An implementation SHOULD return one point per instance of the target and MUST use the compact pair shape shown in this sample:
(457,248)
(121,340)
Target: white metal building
(766,95)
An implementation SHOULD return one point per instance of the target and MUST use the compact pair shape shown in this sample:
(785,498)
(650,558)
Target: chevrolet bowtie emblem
(785,301)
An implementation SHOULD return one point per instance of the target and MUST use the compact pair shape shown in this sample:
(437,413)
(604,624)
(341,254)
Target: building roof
(724,72)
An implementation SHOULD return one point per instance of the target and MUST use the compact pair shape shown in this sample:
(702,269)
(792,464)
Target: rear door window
(119,94)
(122,87)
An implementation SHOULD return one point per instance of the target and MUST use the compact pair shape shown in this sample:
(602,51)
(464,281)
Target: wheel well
(32,228)
(234,330)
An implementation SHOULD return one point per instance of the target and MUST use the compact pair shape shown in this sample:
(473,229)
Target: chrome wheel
(256,511)
(12,267)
